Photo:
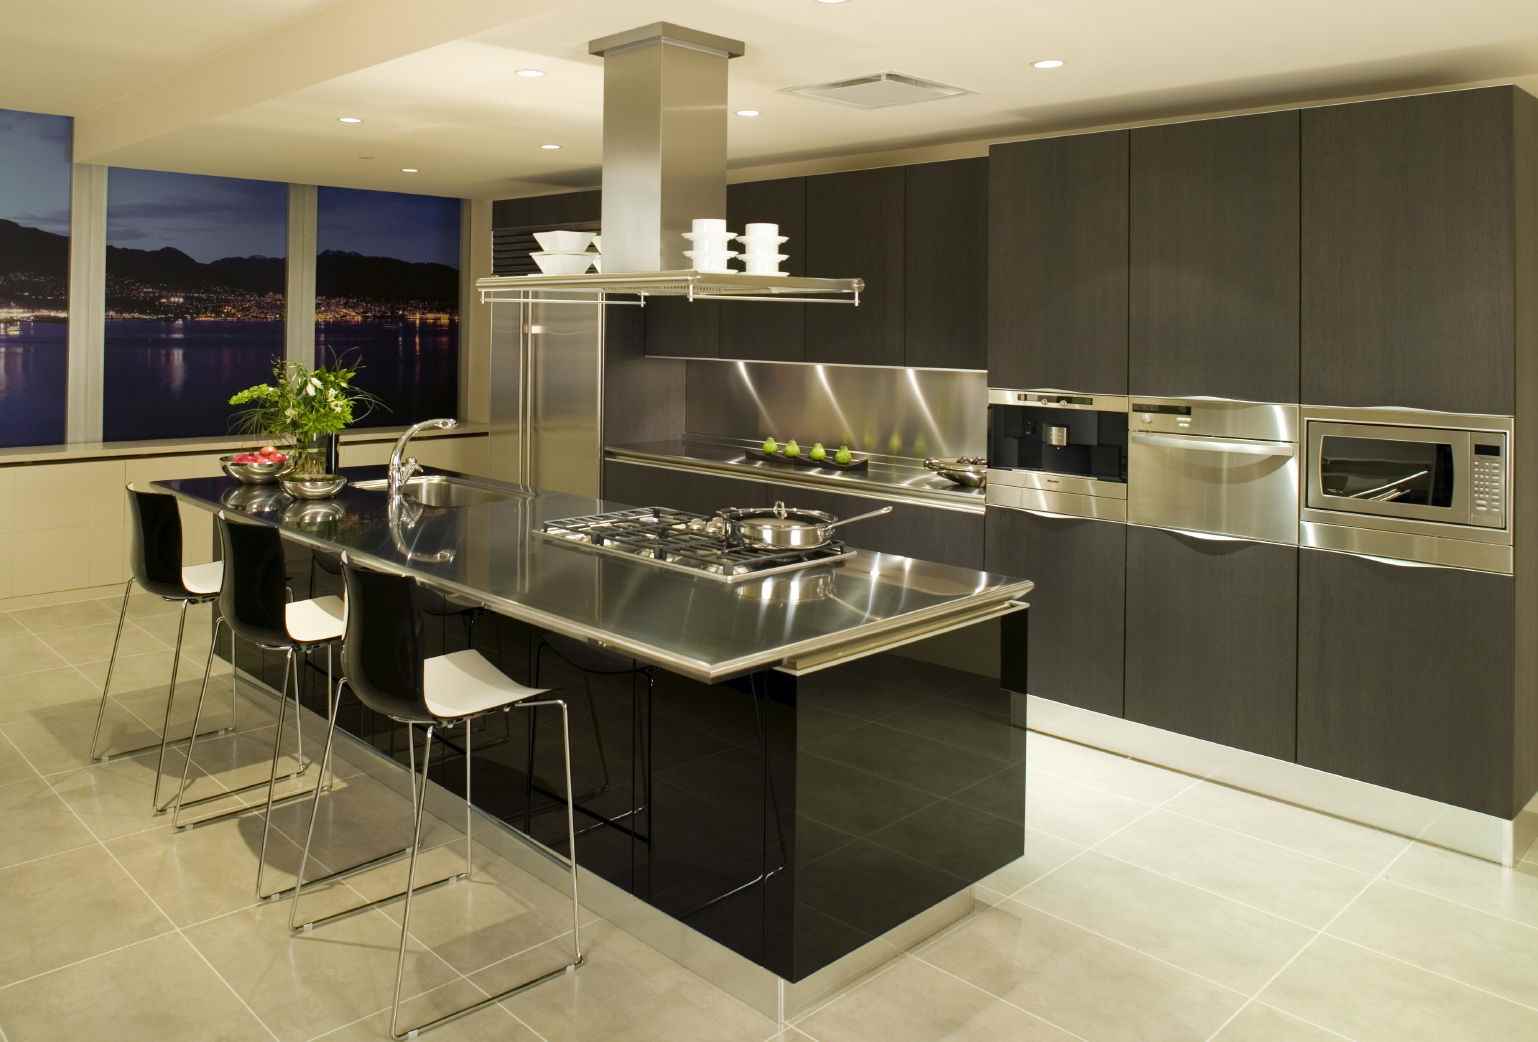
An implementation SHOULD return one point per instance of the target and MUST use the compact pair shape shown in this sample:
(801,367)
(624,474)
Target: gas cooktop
(685,542)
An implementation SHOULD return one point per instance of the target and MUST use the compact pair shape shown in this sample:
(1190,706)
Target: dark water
(172,380)
(34,380)
(413,369)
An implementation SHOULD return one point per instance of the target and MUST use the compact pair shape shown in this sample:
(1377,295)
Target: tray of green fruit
(794,454)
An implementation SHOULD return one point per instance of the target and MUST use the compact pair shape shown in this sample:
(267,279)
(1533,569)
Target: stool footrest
(476,1007)
(355,909)
(108,757)
(216,797)
(235,812)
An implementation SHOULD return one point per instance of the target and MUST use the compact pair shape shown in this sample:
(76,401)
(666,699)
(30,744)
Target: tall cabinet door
(1408,263)
(1077,607)
(768,332)
(1405,678)
(1057,263)
(854,229)
(946,288)
(1214,293)
(1212,639)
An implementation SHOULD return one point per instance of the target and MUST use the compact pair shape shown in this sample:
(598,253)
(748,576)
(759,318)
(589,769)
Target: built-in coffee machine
(1058,452)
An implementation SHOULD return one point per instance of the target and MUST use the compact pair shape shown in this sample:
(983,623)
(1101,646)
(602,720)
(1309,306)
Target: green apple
(819,453)
(792,449)
(843,455)
(770,445)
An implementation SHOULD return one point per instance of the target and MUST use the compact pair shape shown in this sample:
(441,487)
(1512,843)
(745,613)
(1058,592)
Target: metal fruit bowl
(323,486)
(253,473)
(966,471)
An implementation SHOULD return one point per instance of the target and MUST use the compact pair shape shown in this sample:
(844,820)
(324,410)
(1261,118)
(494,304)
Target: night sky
(205,217)
(34,173)
(389,224)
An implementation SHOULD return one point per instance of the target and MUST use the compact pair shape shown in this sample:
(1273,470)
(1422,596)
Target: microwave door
(1410,473)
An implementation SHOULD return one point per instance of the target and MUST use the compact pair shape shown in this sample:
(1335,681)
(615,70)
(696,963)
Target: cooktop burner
(685,542)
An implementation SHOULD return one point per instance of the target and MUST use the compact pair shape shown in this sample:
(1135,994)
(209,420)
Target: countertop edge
(852,486)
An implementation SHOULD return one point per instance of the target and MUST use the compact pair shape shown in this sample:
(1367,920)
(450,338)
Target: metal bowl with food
(321,486)
(252,469)
(787,528)
(966,471)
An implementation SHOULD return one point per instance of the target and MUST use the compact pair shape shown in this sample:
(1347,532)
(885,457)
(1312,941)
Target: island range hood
(664,164)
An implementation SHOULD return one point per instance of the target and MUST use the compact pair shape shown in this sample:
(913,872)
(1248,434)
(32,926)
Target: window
(34,277)
(195,278)
(387,298)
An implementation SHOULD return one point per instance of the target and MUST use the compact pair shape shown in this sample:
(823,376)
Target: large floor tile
(1371,998)
(1090,986)
(1077,813)
(62,687)
(252,710)
(22,653)
(1479,949)
(54,617)
(624,992)
(91,643)
(141,606)
(1261,1023)
(492,1024)
(1219,939)
(1133,779)
(305,985)
(69,907)
(1043,853)
(1343,842)
(147,672)
(1512,893)
(157,991)
(116,798)
(59,739)
(199,873)
(1277,879)
(35,823)
(915,1002)
(13,766)
(361,818)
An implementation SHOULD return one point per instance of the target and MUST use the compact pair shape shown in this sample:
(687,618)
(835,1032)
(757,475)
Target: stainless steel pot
(786,528)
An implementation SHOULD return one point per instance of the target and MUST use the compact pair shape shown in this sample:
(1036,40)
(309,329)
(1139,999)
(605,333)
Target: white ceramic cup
(754,231)
(763,264)
(708,226)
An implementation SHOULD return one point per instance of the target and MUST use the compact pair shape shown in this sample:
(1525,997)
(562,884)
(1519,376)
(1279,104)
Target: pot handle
(857,517)
(779,508)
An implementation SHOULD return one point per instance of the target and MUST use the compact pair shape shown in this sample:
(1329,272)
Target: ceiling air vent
(879,91)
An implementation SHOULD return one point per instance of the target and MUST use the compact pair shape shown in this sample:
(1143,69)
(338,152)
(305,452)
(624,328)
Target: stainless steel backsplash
(895,412)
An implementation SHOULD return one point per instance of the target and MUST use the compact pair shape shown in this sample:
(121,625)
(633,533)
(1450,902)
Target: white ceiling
(254,87)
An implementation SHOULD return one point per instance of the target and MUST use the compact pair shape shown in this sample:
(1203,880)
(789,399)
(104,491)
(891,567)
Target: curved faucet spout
(402,467)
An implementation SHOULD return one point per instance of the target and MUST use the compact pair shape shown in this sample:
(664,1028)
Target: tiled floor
(1148,906)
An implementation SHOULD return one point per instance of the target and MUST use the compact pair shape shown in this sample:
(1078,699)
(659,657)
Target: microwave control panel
(1487,497)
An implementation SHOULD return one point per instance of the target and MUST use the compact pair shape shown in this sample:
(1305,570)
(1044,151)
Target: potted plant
(309,407)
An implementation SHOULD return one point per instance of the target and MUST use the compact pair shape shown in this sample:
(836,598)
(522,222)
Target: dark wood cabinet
(945,285)
(1078,608)
(636,484)
(566,208)
(1408,252)
(1212,639)
(679,328)
(767,332)
(1214,259)
(1057,263)
(1406,678)
(854,228)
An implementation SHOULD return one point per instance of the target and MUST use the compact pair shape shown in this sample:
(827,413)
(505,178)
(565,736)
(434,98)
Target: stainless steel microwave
(1398,476)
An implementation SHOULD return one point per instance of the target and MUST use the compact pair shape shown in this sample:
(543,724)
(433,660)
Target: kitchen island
(791,765)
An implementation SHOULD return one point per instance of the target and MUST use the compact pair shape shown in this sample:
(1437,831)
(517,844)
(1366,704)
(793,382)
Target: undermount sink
(440,490)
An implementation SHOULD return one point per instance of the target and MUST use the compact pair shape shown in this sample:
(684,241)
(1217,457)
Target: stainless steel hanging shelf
(684,282)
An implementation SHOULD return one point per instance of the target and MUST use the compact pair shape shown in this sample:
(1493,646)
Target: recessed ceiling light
(409,170)
(530,74)
(1048,63)
(365,158)
(748,113)
(349,120)
(831,2)
(551,148)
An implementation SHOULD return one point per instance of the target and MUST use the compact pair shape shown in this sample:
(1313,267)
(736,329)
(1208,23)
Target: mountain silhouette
(338,273)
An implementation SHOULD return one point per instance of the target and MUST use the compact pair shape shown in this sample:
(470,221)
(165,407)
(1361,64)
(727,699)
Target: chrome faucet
(403,467)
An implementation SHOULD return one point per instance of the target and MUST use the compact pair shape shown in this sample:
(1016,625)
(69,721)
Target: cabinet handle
(1243,446)
(1049,515)
(1206,537)
(1394,562)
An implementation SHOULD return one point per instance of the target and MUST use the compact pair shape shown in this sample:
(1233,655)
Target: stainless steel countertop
(886,477)
(694,626)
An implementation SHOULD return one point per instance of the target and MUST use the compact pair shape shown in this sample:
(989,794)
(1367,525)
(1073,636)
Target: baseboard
(52,597)
(1415,817)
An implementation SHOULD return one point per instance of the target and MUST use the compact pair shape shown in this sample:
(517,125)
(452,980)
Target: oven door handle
(1240,446)
(1207,537)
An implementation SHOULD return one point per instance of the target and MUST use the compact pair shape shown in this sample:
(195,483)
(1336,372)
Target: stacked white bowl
(761,249)
(564,252)
(710,239)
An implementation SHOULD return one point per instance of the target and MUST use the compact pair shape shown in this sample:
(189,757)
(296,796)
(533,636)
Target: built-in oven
(1058,452)
(1409,485)
(1215,467)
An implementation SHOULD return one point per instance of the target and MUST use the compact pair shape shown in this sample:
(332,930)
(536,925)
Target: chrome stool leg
(165,727)
(101,710)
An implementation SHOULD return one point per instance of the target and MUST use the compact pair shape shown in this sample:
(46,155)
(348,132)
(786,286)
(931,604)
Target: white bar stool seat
(203,579)
(315,621)
(465,683)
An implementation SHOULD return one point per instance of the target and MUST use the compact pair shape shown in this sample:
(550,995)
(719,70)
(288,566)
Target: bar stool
(254,604)
(384,667)
(155,561)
